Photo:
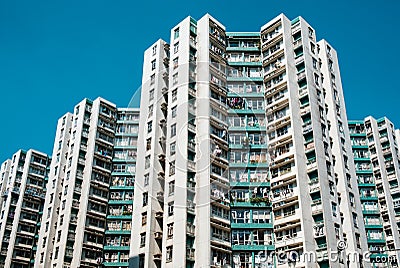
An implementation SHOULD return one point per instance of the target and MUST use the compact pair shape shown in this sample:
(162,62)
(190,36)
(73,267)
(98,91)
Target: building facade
(284,181)
(74,216)
(241,156)
(120,201)
(23,180)
(376,157)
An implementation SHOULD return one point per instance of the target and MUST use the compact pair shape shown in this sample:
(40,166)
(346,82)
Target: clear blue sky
(54,53)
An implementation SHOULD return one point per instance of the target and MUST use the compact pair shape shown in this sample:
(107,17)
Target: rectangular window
(153,65)
(176,33)
(154,50)
(175,79)
(145,199)
(173,130)
(174,94)
(170,208)
(172,168)
(147,162)
(316,79)
(151,94)
(148,144)
(173,148)
(171,188)
(150,110)
(146,179)
(149,126)
(175,63)
(142,239)
(176,47)
(144,218)
(152,79)
(170,230)
(173,111)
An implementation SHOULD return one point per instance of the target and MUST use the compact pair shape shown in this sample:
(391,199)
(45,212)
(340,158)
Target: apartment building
(244,150)
(23,179)
(120,201)
(376,157)
(241,155)
(250,189)
(74,216)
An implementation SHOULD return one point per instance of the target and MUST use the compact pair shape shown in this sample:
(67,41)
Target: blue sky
(54,53)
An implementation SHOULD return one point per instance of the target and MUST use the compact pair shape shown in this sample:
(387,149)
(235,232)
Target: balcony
(370,210)
(190,206)
(191,165)
(190,254)
(319,230)
(190,229)
(376,238)
(158,235)
(316,207)
(267,246)
(283,195)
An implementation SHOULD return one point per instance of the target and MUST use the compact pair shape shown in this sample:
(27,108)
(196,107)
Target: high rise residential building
(376,157)
(74,216)
(284,181)
(250,189)
(241,156)
(119,216)
(23,179)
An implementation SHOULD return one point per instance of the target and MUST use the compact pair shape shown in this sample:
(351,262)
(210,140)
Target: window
(170,208)
(175,79)
(316,79)
(334,209)
(153,65)
(59,236)
(170,230)
(56,253)
(175,63)
(171,188)
(173,130)
(351,197)
(148,144)
(176,33)
(147,162)
(152,79)
(312,47)
(173,148)
(154,50)
(146,179)
(145,199)
(314,63)
(355,220)
(151,94)
(142,239)
(310,32)
(150,110)
(174,94)
(176,47)
(149,126)
(173,111)
(172,168)
(144,218)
